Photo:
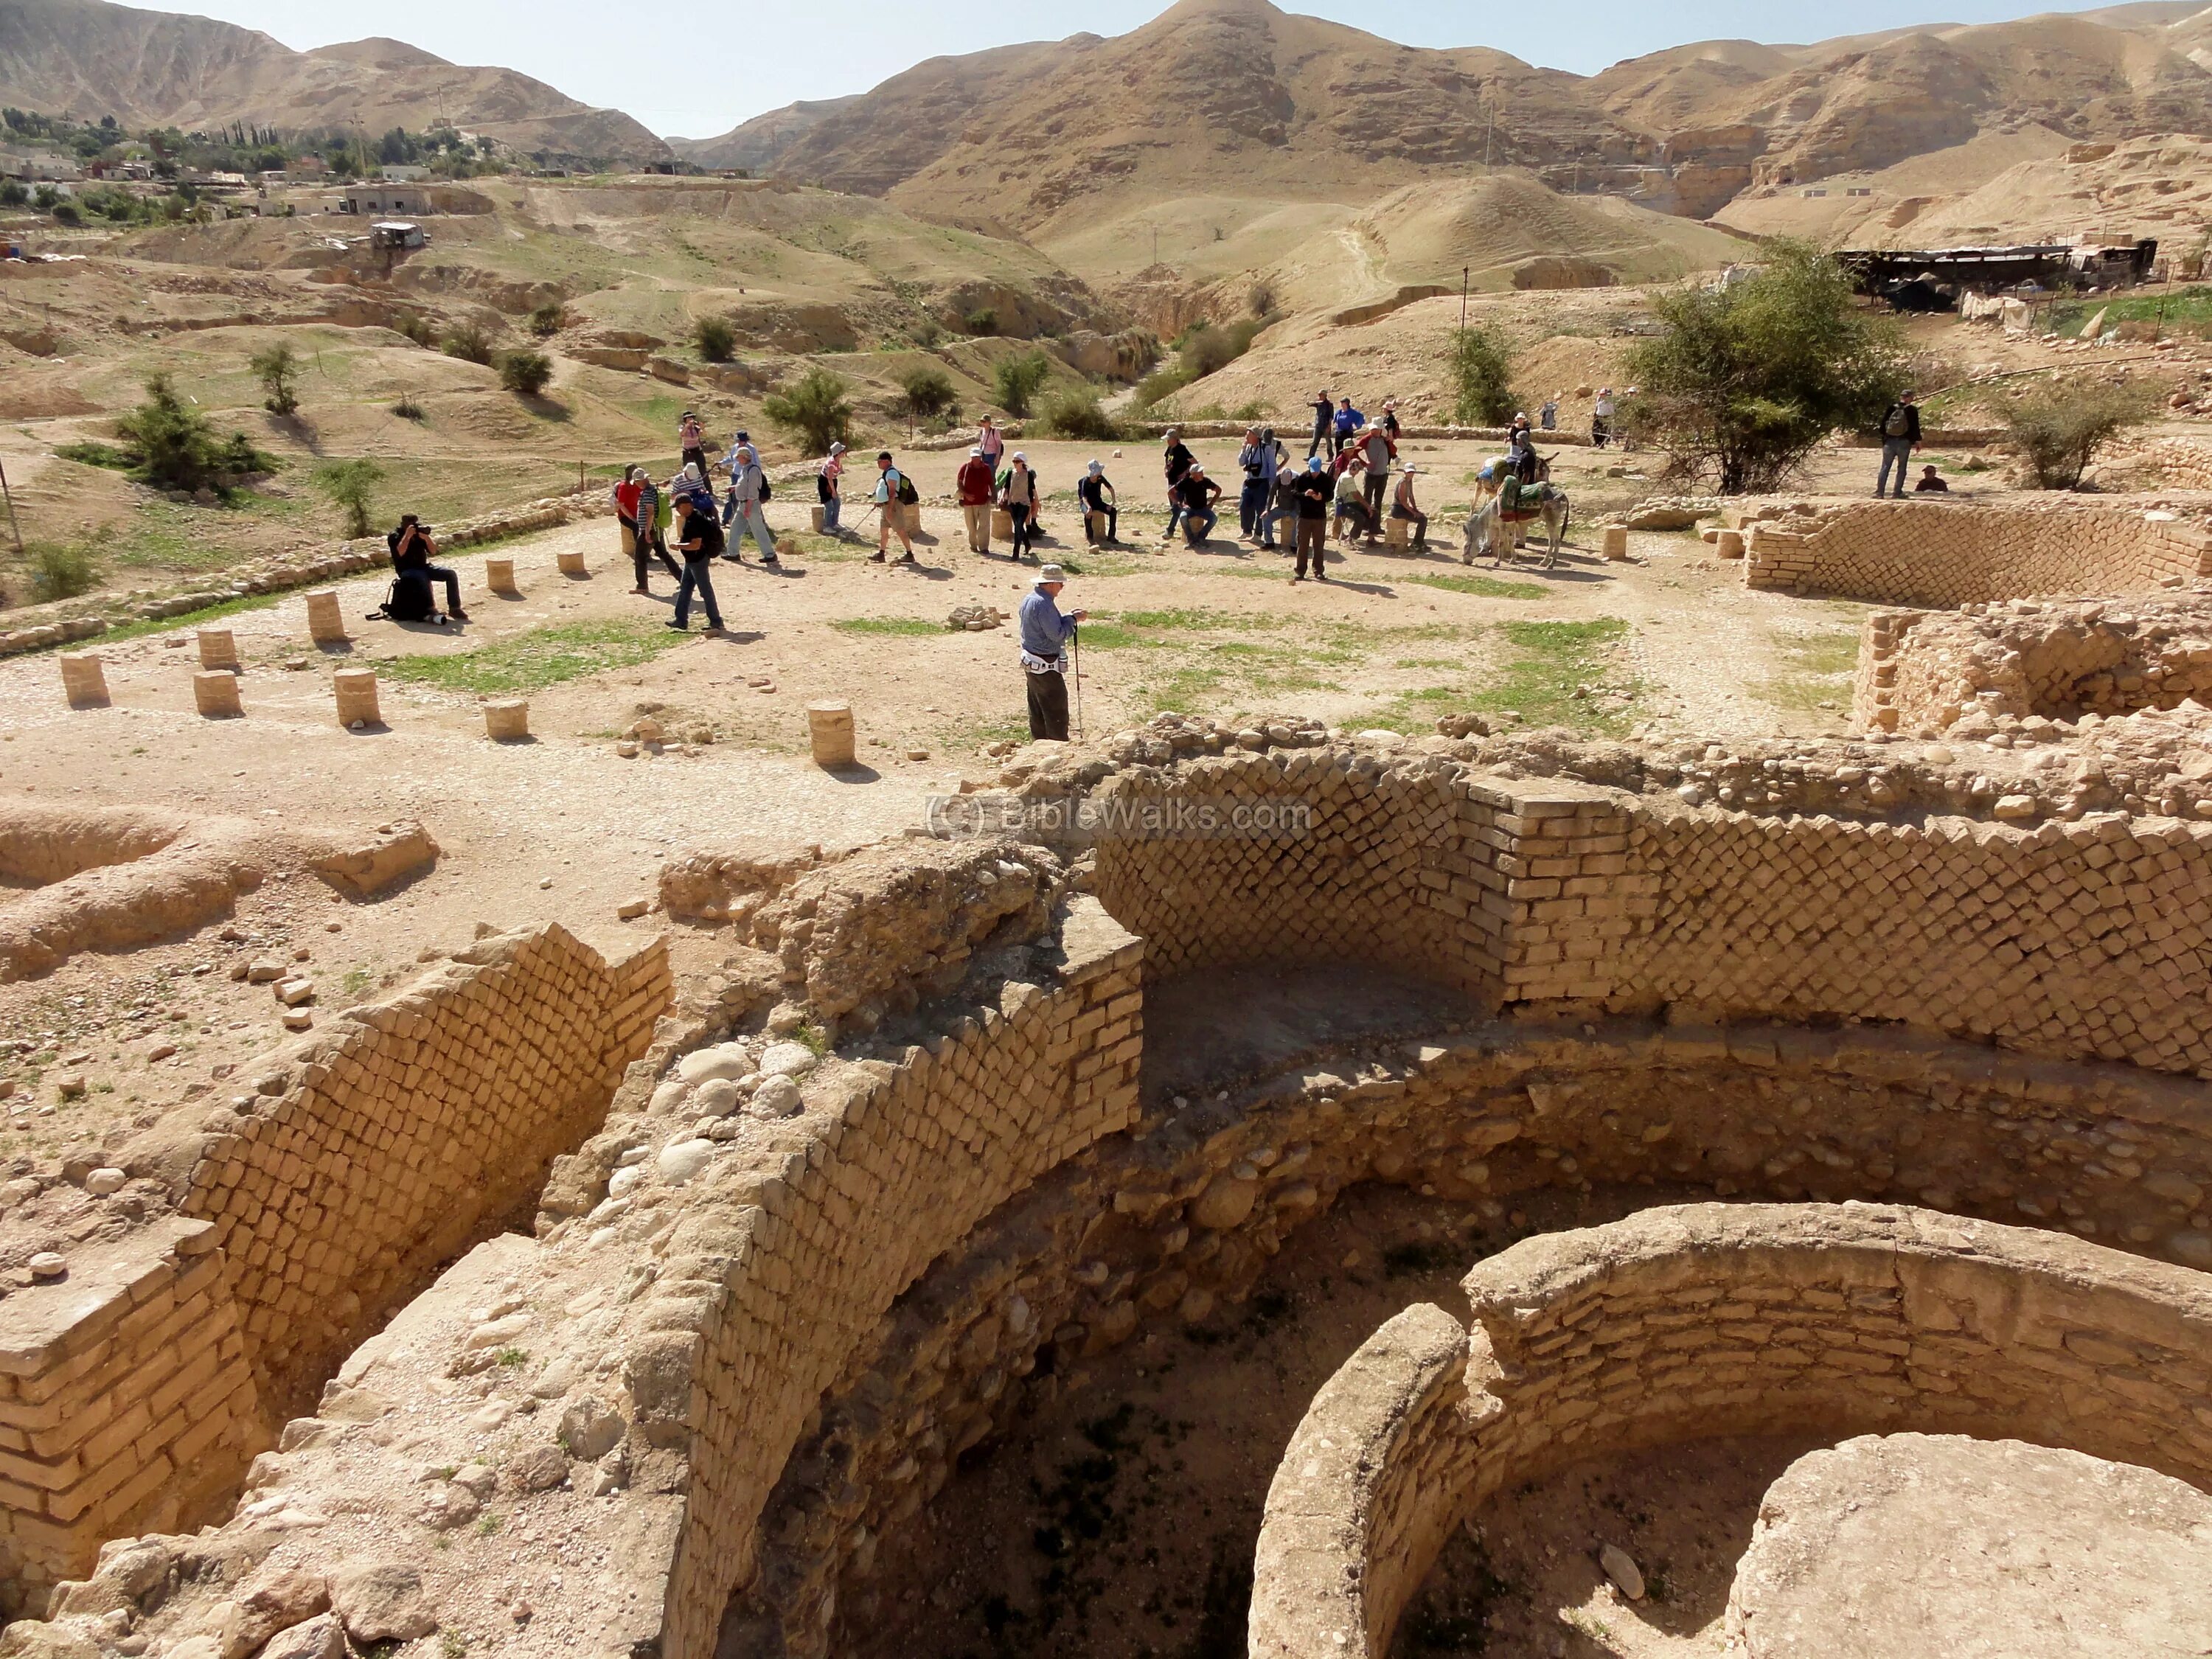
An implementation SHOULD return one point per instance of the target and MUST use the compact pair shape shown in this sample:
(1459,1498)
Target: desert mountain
(756,145)
(86,58)
(1238,98)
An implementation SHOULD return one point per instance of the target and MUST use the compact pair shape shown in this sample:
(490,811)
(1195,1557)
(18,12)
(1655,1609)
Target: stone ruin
(943,1125)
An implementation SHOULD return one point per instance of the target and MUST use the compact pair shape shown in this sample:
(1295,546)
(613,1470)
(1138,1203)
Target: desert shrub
(928,390)
(1213,346)
(173,443)
(1016,380)
(13,195)
(470,342)
(546,321)
(1260,299)
(2058,430)
(1159,385)
(716,340)
(407,409)
(1480,369)
(61,571)
(68,213)
(1252,410)
(277,368)
(525,372)
(350,486)
(92,452)
(1075,412)
(419,328)
(925,332)
(984,321)
(1747,380)
(816,411)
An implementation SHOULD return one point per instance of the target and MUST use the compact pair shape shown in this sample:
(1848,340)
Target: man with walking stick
(1045,634)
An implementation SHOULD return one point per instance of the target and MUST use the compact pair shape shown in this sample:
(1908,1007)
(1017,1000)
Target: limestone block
(84,682)
(829,730)
(814,518)
(1729,544)
(326,622)
(218,648)
(1002,523)
(1398,533)
(356,689)
(506,720)
(215,693)
(499,576)
(572,563)
(1616,541)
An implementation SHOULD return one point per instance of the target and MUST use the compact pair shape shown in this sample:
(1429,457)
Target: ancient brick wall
(1707,1320)
(2183,462)
(825,1240)
(397,1135)
(1953,553)
(1921,672)
(126,1403)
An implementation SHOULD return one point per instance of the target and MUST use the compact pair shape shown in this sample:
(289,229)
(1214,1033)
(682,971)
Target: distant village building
(380,200)
(403,175)
(40,168)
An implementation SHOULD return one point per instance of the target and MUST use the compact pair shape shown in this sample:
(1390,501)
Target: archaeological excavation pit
(952,1272)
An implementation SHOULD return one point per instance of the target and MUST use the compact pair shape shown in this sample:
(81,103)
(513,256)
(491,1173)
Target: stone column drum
(1730,544)
(830,729)
(84,682)
(499,576)
(506,720)
(215,693)
(572,564)
(356,696)
(218,648)
(325,624)
(1616,542)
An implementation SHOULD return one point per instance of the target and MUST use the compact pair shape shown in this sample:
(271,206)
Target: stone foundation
(1706,1321)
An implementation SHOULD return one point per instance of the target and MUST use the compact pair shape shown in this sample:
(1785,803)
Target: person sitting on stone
(412,549)
(1404,506)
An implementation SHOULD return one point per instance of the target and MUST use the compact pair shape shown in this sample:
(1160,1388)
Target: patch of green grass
(1200,621)
(1482,587)
(901,627)
(1111,636)
(539,658)
(1547,662)
(2190,310)
(93,454)
(1817,673)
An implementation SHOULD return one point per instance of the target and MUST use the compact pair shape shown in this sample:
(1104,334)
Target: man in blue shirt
(1348,422)
(1045,632)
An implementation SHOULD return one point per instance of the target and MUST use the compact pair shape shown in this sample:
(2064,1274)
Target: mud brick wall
(1920,671)
(126,1403)
(2185,462)
(1401,870)
(1707,1320)
(392,1142)
(800,1263)
(1945,553)
(2073,940)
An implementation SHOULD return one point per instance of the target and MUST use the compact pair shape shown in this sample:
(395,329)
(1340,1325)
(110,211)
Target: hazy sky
(698,71)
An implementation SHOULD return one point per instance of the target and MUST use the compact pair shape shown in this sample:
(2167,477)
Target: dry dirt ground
(564,828)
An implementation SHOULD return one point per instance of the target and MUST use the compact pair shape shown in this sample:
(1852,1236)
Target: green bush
(1160,384)
(528,373)
(350,486)
(175,446)
(408,410)
(68,213)
(546,321)
(715,338)
(13,195)
(62,572)
(1481,371)
(982,322)
(419,328)
(816,411)
(277,368)
(1746,381)
(470,342)
(2058,430)
(1210,347)
(1075,412)
(91,452)
(1016,380)
(928,392)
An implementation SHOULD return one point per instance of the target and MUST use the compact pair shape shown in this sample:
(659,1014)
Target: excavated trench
(1062,1436)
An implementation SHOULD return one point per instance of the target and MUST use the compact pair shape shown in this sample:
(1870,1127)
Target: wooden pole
(1466,277)
(14,529)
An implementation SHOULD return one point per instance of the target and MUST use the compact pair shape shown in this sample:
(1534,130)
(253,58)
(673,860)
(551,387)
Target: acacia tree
(1746,381)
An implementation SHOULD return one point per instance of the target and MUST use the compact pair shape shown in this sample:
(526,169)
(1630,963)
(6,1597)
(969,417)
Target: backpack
(766,494)
(1898,424)
(409,600)
(664,512)
(907,495)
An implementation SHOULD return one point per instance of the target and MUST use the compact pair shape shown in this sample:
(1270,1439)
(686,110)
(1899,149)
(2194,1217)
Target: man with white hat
(977,484)
(1602,419)
(829,486)
(1045,632)
(1403,506)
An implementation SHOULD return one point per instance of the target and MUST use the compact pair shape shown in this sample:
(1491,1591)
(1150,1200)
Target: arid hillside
(86,58)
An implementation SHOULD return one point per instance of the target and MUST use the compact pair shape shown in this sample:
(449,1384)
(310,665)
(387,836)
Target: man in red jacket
(977,485)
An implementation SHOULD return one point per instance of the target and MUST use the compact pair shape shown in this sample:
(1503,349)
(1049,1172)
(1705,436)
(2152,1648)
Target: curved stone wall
(1945,553)
(1702,1321)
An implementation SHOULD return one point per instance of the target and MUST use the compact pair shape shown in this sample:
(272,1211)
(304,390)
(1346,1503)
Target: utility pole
(14,529)
(1491,131)
(1466,277)
(1156,244)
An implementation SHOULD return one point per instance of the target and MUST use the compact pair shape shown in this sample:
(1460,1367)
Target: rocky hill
(1238,97)
(86,58)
